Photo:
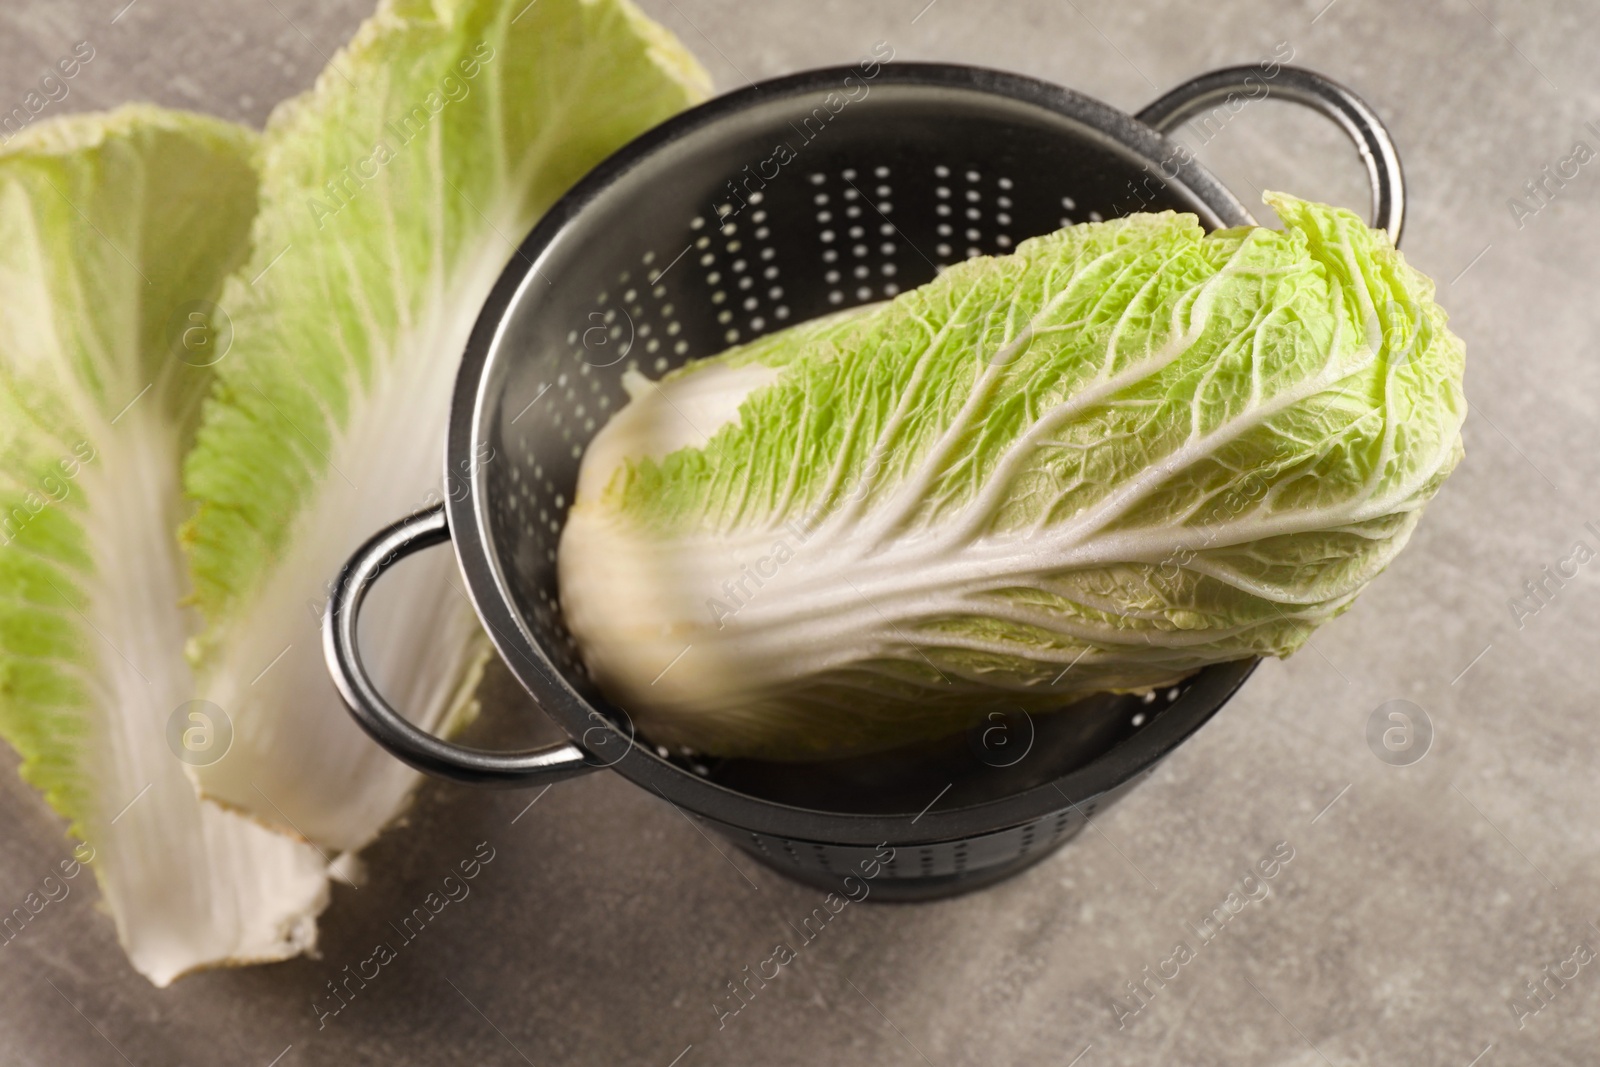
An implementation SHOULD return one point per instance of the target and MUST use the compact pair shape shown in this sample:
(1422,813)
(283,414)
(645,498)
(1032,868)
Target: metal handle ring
(382,722)
(1300,86)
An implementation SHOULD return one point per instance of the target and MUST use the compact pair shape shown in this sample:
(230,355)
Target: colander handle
(388,727)
(1300,86)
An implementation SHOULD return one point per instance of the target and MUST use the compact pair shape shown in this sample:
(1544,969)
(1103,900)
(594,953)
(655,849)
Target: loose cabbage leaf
(392,196)
(115,232)
(1124,452)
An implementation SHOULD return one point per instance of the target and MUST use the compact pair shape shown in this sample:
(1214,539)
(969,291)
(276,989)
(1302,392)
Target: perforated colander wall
(812,241)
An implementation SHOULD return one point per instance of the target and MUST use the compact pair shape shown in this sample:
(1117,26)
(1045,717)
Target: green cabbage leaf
(116,232)
(1126,451)
(392,195)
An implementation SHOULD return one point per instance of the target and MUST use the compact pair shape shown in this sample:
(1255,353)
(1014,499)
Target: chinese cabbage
(116,231)
(392,196)
(1127,450)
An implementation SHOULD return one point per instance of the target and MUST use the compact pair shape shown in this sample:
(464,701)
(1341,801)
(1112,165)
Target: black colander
(760,209)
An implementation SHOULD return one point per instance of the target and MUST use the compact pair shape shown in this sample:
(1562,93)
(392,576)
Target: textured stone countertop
(1419,899)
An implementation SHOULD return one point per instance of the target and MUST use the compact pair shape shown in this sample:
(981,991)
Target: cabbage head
(1126,451)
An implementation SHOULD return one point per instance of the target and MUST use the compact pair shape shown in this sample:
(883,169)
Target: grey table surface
(1420,900)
